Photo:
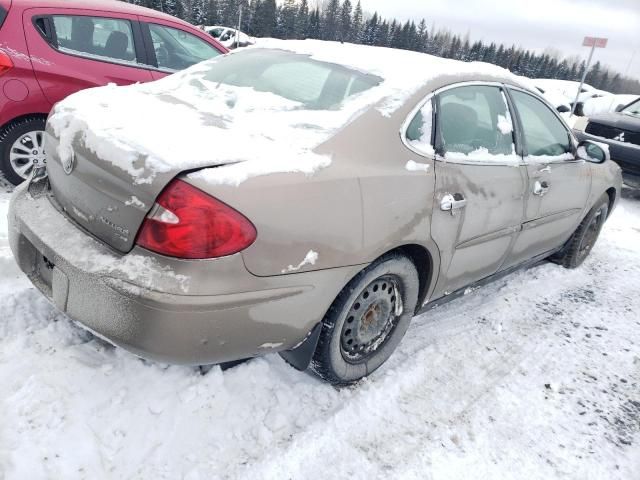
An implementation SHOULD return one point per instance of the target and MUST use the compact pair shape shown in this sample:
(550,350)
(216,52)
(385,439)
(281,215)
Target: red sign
(595,42)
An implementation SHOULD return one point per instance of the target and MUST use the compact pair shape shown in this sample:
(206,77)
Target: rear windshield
(316,85)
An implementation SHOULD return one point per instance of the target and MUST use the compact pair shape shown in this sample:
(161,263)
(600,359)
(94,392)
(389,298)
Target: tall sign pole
(239,25)
(593,42)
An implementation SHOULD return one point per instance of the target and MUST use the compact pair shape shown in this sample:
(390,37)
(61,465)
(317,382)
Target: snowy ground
(535,376)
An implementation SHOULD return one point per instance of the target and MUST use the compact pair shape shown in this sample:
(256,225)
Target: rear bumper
(139,303)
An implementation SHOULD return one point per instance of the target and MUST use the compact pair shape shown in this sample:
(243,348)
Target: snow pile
(533,377)
(185,121)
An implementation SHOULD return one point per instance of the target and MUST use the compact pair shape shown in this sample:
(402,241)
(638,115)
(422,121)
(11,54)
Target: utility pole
(593,42)
(239,24)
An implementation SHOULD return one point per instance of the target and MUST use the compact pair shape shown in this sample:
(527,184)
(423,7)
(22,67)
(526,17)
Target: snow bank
(533,377)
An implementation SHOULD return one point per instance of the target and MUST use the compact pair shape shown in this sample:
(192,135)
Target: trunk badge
(68,163)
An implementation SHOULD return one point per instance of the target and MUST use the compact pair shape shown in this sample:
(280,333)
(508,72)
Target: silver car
(308,198)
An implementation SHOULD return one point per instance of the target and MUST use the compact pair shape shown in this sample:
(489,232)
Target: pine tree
(345,21)
(287,19)
(331,20)
(314,24)
(356,24)
(266,18)
(302,20)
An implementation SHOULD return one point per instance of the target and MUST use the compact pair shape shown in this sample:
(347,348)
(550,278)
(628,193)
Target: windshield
(633,109)
(316,85)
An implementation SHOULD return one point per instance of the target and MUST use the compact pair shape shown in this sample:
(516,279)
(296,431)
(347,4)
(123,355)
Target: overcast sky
(534,24)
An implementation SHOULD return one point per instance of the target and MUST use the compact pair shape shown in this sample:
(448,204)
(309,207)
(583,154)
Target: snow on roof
(145,129)
(404,71)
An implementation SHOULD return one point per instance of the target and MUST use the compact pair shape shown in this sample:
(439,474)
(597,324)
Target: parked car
(621,132)
(306,197)
(51,49)
(230,37)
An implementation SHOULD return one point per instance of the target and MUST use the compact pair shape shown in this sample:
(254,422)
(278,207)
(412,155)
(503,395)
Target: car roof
(113,6)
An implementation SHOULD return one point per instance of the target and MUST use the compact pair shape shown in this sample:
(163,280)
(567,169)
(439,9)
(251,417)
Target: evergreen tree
(287,19)
(345,22)
(356,24)
(331,20)
(302,20)
(339,20)
(264,23)
(314,24)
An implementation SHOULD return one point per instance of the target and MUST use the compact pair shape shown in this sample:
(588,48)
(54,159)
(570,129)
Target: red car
(50,49)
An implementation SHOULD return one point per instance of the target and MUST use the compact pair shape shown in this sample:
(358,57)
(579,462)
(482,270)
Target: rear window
(3,15)
(108,39)
(316,85)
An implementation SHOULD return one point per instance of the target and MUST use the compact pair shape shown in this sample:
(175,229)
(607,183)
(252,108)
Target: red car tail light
(5,63)
(188,223)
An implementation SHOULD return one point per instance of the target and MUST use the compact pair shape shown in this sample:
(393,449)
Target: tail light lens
(188,223)
(5,63)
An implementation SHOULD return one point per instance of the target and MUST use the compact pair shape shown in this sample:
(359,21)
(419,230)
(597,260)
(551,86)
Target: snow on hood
(186,122)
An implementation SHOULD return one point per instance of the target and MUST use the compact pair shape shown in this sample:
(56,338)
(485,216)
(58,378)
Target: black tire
(369,305)
(584,238)
(10,134)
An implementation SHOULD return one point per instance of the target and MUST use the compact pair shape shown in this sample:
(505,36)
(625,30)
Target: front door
(480,184)
(172,48)
(559,183)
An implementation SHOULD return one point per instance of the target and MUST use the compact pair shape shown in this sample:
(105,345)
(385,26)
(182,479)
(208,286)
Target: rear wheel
(22,148)
(367,321)
(584,238)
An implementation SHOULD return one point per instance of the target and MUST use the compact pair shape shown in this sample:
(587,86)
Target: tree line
(347,22)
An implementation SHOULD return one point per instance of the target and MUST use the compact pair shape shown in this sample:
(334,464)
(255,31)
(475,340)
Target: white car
(606,104)
(229,37)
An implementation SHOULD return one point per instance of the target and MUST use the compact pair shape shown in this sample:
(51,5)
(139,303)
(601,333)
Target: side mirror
(563,109)
(619,108)
(594,152)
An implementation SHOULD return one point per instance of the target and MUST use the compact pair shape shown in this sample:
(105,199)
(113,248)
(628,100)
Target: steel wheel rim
(26,152)
(591,235)
(371,320)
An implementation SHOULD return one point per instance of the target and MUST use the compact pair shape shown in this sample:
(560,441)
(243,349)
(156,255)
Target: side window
(544,134)
(104,38)
(475,121)
(176,49)
(420,131)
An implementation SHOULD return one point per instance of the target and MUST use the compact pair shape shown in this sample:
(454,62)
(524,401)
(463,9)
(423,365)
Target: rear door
(173,47)
(480,183)
(73,49)
(559,182)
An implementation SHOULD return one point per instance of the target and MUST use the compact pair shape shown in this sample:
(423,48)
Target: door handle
(546,169)
(540,188)
(452,202)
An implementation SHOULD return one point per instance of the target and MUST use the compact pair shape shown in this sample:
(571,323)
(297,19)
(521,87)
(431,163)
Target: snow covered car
(304,197)
(230,37)
(620,130)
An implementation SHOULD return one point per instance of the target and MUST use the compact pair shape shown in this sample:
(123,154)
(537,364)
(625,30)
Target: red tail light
(5,63)
(188,223)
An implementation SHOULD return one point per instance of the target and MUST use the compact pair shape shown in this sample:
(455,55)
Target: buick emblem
(68,163)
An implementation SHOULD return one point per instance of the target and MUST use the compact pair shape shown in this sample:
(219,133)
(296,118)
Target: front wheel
(584,238)
(367,321)
(22,148)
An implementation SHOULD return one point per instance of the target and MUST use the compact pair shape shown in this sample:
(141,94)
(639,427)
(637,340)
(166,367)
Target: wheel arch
(612,194)
(300,357)
(22,118)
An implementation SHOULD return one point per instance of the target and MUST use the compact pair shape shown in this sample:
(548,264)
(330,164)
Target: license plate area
(44,270)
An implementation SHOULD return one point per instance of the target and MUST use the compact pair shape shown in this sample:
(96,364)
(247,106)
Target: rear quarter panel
(363,205)
(20,93)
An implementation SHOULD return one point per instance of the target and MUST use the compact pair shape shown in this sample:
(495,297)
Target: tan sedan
(308,198)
